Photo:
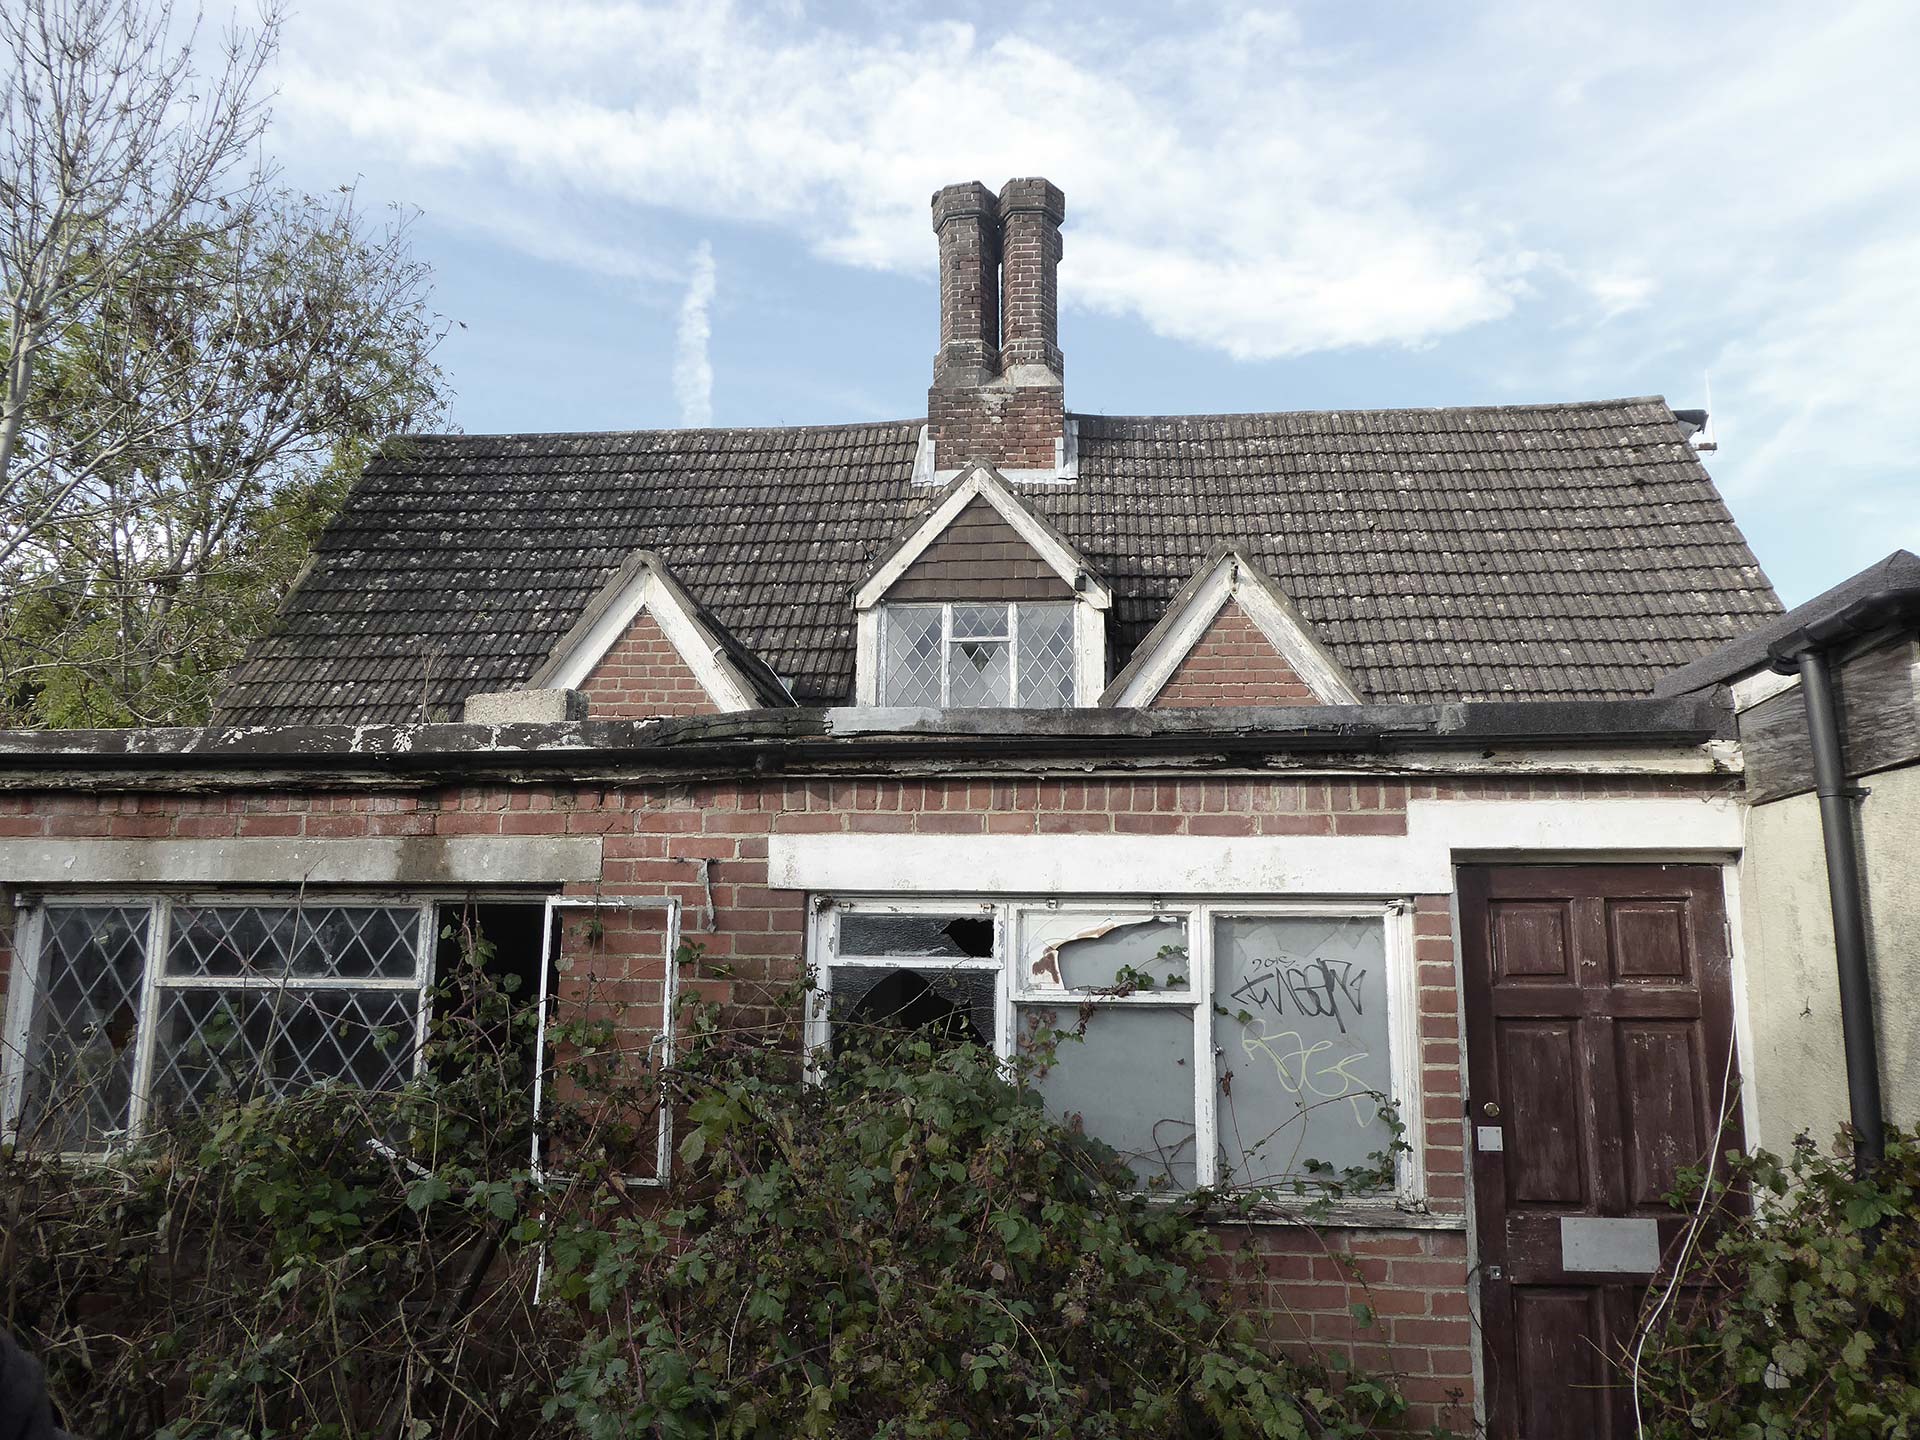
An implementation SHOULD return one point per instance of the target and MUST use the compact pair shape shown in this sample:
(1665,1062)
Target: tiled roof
(1516,552)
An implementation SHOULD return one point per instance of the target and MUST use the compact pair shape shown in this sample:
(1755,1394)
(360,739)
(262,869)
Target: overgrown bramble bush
(1800,1317)
(905,1248)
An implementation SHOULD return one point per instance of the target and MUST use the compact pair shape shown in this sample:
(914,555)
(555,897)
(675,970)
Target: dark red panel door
(1599,1020)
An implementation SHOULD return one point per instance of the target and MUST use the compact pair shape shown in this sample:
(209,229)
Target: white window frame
(557,905)
(23,991)
(885,611)
(1409,1192)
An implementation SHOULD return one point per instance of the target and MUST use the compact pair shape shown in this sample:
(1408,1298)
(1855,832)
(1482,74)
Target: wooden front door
(1599,1020)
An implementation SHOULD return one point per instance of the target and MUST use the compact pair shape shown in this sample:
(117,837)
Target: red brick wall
(1233,663)
(654,836)
(643,678)
(1013,427)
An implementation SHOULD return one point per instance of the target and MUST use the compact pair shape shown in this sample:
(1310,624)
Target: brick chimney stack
(1030,216)
(997,394)
(967,220)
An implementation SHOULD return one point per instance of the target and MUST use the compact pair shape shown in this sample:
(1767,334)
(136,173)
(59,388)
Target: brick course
(642,677)
(1234,663)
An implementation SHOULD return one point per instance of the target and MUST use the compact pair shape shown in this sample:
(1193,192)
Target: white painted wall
(1793,992)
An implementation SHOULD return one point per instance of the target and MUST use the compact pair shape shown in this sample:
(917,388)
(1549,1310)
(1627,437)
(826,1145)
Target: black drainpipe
(1837,799)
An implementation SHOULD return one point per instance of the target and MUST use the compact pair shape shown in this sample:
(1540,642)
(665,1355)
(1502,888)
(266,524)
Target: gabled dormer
(1231,636)
(982,604)
(645,649)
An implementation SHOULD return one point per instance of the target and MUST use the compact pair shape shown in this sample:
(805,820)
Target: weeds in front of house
(905,1247)
(1797,1316)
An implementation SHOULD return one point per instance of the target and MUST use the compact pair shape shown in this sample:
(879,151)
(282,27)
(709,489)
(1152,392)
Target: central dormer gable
(982,604)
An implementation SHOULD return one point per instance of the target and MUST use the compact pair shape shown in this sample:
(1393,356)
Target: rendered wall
(1794,995)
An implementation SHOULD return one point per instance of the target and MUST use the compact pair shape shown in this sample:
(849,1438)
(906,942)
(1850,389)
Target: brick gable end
(643,678)
(1234,663)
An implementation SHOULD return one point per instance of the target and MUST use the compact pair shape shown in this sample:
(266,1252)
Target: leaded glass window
(973,655)
(78,1081)
(144,1011)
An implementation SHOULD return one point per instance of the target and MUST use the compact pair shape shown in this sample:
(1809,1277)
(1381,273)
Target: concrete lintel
(413,860)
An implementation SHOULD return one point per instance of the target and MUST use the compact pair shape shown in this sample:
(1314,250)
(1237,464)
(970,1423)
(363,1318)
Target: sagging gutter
(794,742)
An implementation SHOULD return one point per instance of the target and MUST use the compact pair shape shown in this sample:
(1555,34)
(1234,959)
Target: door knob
(1490,1109)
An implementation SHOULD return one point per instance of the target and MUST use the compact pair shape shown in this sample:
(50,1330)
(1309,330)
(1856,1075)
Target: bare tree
(112,133)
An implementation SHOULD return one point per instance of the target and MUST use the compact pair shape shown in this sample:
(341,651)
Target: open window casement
(982,605)
(609,980)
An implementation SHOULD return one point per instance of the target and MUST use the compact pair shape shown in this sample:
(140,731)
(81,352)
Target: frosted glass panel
(1300,1021)
(1129,1083)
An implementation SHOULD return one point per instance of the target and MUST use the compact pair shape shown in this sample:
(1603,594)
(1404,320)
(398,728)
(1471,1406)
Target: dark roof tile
(1547,550)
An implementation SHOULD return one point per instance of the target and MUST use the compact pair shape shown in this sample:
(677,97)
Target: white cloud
(1227,189)
(692,360)
(1622,196)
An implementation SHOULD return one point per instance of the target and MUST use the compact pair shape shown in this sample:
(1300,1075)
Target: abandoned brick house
(1340,726)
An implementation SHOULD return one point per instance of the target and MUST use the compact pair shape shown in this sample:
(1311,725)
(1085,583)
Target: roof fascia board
(643,584)
(1228,575)
(983,482)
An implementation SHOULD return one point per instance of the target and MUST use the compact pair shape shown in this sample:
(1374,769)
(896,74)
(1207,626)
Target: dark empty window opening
(955,1007)
(507,937)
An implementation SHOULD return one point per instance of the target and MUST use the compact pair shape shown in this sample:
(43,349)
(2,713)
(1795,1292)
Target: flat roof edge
(760,735)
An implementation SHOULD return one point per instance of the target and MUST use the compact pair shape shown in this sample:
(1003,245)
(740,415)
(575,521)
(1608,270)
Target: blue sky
(653,215)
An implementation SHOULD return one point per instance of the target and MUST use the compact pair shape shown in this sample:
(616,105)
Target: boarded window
(1300,1027)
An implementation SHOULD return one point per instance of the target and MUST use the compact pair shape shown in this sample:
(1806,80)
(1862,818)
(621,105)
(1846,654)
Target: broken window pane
(1106,952)
(322,942)
(215,1043)
(950,1004)
(80,1037)
(1046,655)
(1129,1082)
(956,937)
(1300,1025)
(910,674)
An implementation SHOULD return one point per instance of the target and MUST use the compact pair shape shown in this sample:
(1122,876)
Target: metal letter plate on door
(1590,1242)
(1488,1138)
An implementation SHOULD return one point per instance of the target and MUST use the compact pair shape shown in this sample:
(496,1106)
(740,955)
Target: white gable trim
(984,484)
(646,590)
(1232,579)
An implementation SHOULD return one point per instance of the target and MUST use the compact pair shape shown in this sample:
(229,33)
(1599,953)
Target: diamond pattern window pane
(980,622)
(80,1043)
(1046,655)
(212,1044)
(977,672)
(313,942)
(911,674)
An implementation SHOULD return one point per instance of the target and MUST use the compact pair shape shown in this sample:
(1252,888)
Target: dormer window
(981,605)
(988,656)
